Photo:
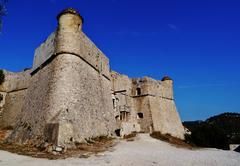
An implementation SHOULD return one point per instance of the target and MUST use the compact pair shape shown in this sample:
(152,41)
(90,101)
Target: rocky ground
(144,151)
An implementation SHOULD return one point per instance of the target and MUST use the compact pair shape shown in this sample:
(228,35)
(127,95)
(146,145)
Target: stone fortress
(71,95)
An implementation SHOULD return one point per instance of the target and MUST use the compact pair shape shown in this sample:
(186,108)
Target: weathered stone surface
(44,51)
(72,97)
(165,117)
(69,91)
(12,107)
(15,81)
(152,100)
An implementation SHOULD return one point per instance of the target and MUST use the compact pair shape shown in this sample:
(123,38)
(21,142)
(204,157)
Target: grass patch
(172,140)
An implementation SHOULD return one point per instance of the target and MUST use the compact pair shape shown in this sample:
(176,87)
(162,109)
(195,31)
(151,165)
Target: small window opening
(138,91)
(124,116)
(117,117)
(113,103)
(1,97)
(140,115)
(118,132)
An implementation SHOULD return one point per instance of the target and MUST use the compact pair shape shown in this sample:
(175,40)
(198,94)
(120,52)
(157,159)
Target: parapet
(166,78)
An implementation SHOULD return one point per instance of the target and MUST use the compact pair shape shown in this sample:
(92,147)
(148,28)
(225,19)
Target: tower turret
(70,19)
(167,83)
(70,24)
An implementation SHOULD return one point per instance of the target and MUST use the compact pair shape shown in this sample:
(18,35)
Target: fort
(71,95)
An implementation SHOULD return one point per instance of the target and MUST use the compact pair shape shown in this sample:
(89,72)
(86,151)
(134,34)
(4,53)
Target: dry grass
(85,150)
(3,134)
(172,140)
(130,137)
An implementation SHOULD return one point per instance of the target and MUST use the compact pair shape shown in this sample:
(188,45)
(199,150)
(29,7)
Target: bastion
(70,94)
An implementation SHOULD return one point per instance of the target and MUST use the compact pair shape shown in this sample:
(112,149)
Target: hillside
(216,132)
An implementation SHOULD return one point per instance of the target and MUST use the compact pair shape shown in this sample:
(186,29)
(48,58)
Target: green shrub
(2,77)
(1,97)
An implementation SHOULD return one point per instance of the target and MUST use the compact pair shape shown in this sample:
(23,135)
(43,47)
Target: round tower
(70,24)
(70,19)
(167,80)
(168,87)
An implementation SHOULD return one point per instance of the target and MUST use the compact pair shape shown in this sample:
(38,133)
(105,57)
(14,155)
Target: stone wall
(165,117)
(2,103)
(122,89)
(83,98)
(44,51)
(12,108)
(153,100)
(36,108)
(13,90)
(142,106)
(15,81)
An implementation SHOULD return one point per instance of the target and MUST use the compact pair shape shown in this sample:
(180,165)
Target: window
(118,132)
(138,91)
(140,115)
(114,106)
(117,117)
(124,116)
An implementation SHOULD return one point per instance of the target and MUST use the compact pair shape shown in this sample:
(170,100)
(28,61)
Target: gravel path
(144,151)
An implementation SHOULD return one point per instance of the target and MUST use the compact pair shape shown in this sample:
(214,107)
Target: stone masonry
(70,95)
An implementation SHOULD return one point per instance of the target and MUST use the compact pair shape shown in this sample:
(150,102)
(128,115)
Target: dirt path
(145,151)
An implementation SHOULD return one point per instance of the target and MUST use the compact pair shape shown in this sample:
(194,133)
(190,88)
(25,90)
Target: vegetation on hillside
(1,97)
(2,77)
(216,132)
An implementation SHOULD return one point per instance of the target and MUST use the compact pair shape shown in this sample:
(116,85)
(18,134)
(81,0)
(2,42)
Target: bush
(2,77)
(207,135)
(1,97)
(216,132)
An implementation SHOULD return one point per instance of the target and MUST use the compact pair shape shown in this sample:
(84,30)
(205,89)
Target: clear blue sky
(197,43)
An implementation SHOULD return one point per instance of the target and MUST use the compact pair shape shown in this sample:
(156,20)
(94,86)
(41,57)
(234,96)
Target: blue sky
(197,43)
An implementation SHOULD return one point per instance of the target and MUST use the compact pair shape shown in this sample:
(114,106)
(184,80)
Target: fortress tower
(69,97)
(150,104)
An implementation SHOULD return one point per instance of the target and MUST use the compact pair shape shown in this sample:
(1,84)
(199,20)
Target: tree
(2,77)
(216,132)
(3,11)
